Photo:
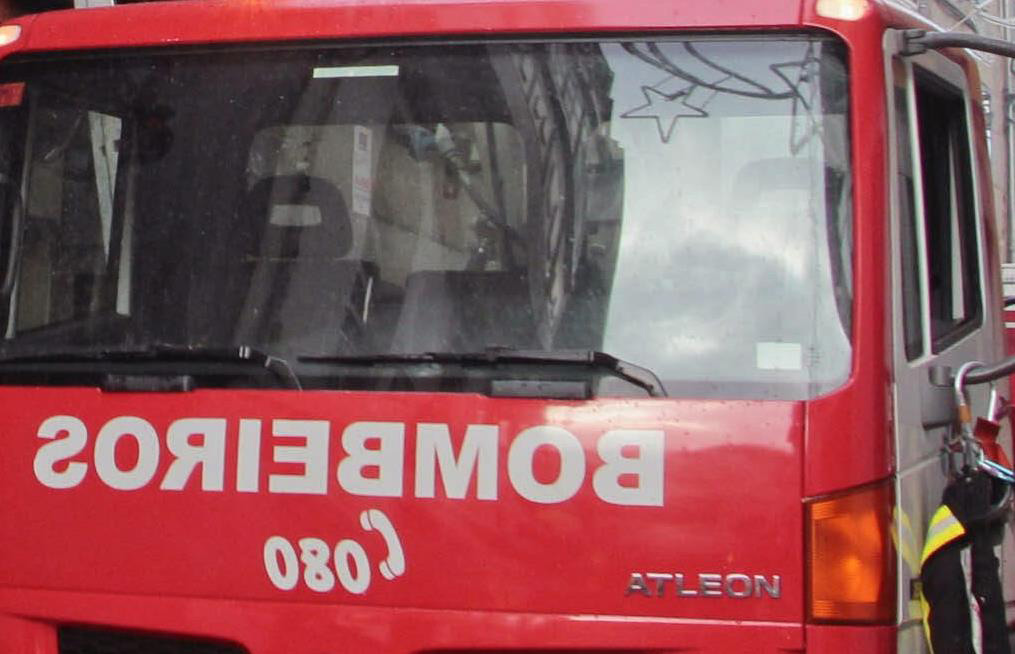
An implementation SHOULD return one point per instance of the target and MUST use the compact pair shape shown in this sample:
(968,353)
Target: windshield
(681,204)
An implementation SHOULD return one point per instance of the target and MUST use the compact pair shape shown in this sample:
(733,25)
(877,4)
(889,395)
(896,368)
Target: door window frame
(949,77)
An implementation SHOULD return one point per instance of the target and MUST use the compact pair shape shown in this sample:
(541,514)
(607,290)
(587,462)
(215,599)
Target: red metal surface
(295,627)
(508,573)
(828,639)
(849,432)
(217,21)
(573,556)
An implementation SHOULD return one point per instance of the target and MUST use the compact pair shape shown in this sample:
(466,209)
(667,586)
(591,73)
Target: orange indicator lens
(850,557)
(842,9)
(9,34)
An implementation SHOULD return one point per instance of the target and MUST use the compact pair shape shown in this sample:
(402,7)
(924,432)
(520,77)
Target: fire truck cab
(459,327)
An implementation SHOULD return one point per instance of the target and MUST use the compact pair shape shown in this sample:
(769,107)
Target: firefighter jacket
(963,606)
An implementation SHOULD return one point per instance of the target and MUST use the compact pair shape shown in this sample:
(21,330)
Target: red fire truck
(491,326)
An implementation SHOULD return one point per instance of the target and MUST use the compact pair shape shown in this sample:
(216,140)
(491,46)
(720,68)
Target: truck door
(939,313)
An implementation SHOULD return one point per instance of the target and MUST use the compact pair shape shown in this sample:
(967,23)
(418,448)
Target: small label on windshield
(362,170)
(332,72)
(779,356)
(11,94)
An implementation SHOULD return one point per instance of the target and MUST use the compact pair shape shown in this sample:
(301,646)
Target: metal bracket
(941,376)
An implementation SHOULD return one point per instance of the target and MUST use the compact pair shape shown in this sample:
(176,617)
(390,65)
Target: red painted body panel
(505,573)
(294,627)
(573,557)
(826,639)
(849,439)
(172,23)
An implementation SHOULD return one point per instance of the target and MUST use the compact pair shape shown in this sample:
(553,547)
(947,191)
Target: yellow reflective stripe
(942,513)
(905,540)
(925,606)
(944,528)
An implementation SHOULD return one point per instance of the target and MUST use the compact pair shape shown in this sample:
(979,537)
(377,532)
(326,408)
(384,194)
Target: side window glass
(66,272)
(909,255)
(952,277)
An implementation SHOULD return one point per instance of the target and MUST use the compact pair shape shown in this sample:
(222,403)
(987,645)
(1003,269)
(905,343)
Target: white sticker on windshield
(295,215)
(362,173)
(779,356)
(333,72)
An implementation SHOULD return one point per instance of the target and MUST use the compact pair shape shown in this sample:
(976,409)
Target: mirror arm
(944,376)
(915,42)
(990,373)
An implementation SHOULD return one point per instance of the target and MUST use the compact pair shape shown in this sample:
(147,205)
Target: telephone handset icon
(394,565)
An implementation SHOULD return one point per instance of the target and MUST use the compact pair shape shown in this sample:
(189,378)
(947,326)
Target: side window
(65,269)
(941,295)
(909,234)
(949,213)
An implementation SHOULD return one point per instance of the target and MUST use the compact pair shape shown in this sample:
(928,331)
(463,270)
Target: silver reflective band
(355,71)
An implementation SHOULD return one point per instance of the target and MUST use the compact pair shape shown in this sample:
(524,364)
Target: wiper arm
(629,372)
(163,352)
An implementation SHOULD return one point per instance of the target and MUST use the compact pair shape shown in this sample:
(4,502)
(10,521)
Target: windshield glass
(681,204)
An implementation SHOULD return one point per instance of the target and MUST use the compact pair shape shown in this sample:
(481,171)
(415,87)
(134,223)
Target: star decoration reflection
(804,97)
(666,108)
(685,93)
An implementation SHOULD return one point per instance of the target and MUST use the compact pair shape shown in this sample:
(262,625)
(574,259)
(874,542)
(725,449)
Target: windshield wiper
(594,359)
(162,353)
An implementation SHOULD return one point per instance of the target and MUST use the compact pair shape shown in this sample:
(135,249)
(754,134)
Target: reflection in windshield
(682,205)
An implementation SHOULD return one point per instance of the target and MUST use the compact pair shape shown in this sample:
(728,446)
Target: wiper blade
(632,373)
(165,352)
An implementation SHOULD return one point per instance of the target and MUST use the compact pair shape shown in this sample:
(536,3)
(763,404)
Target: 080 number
(348,563)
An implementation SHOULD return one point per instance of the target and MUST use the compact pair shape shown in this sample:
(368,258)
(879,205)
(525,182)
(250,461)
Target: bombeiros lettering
(282,456)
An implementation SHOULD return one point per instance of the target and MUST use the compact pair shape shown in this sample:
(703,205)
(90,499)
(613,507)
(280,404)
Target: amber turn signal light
(9,34)
(850,557)
(842,9)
